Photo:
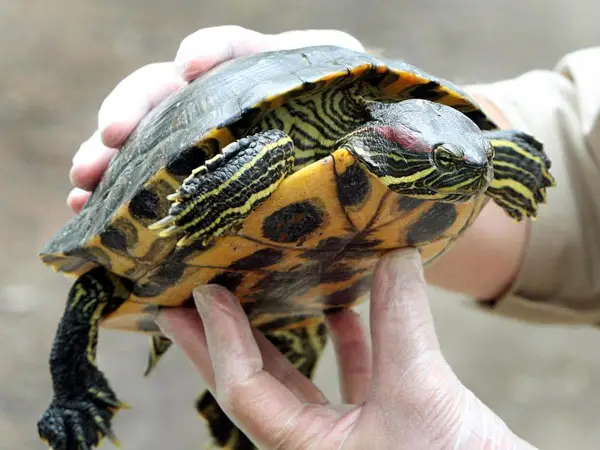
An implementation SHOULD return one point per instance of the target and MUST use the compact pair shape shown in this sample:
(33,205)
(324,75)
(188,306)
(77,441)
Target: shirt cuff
(548,288)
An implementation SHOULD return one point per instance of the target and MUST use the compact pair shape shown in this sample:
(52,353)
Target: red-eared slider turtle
(282,176)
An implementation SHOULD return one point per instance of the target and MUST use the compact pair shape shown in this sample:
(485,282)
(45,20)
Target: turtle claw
(81,423)
(162,223)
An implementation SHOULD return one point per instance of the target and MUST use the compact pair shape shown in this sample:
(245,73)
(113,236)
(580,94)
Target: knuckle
(299,38)
(231,397)
(349,41)
(206,35)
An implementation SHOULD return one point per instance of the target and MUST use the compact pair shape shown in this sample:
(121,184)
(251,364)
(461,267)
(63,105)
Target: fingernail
(206,295)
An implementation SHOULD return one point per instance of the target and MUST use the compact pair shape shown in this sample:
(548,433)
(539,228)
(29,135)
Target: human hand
(142,90)
(404,395)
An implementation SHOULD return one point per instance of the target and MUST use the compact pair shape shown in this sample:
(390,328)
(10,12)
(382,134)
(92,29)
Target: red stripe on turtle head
(405,138)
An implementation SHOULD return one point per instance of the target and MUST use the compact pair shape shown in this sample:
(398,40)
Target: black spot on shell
(327,249)
(348,296)
(337,273)
(363,248)
(169,273)
(353,186)
(428,91)
(229,280)
(280,287)
(259,259)
(249,118)
(114,239)
(293,222)
(432,224)
(145,205)
(164,277)
(149,289)
(387,79)
(409,203)
(119,236)
(332,243)
(189,159)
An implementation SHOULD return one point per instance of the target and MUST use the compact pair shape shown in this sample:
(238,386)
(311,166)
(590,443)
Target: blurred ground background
(58,61)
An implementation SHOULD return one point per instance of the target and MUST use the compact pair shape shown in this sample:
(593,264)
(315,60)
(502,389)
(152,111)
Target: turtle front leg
(219,195)
(83,405)
(521,173)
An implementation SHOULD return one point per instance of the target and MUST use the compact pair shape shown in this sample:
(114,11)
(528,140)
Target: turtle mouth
(467,191)
(475,186)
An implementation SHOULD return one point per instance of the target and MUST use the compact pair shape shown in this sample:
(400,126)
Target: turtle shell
(314,243)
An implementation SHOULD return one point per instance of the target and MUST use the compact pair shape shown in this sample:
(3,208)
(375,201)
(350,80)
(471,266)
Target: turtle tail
(302,345)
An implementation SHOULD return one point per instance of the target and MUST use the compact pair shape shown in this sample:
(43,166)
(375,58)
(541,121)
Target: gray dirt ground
(59,60)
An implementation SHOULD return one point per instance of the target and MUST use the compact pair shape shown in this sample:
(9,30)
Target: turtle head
(419,147)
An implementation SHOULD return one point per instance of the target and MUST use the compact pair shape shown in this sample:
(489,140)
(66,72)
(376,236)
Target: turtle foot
(80,423)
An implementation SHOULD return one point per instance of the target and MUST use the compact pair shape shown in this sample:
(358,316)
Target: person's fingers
(77,198)
(353,355)
(119,114)
(309,38)
(133,97)
(286,373)
(402,331)
(208,47)
(256,401)
(185,328)
(90,162)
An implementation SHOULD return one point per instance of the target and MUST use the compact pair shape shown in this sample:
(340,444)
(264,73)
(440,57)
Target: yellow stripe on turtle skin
(388,180)
(503,183)
(236,176)
(212,231)
(248,187)
(517,149)
(525,154)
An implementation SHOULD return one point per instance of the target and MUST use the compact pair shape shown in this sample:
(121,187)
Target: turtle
(282,176)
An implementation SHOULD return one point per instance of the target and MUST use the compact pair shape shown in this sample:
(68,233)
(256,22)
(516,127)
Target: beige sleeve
(559,281)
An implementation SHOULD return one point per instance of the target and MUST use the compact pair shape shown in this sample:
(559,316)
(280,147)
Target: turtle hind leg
(521,173)
(80,413)
(303,346)
(219,195)
(225,435)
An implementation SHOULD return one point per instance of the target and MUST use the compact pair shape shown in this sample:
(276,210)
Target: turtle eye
(444,158)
